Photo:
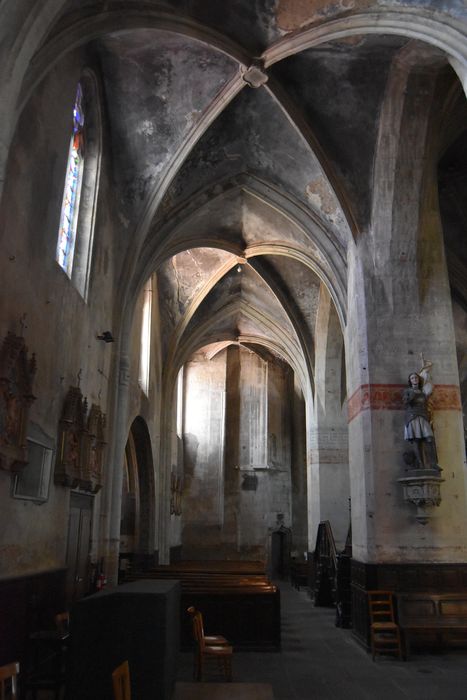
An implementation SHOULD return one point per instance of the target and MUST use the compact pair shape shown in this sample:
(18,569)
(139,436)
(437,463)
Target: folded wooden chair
(384,631)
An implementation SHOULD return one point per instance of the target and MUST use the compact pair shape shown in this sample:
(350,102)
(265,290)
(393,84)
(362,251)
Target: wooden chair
(62,625)
(62,622)
(121,682)
(210,639)
(384,631)
(47,670)
(9,681)
(220,651)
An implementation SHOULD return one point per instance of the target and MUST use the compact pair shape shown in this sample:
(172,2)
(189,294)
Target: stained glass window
(72,191)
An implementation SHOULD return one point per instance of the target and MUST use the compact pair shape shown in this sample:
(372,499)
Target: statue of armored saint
(418,425)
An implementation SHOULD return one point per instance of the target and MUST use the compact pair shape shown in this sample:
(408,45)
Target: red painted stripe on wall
(388,397)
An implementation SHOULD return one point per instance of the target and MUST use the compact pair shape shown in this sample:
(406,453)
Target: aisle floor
(321,662)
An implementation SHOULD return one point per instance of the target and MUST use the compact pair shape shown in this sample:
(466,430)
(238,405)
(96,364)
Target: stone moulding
(16,377)
(422,487)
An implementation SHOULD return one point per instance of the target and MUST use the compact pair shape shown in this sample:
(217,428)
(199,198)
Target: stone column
(299,470)
(113,499)
(232,447)
(329,434)
(399,307)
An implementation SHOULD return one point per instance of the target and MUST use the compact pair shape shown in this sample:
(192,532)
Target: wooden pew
(249,618)
(235,597)
(430,615)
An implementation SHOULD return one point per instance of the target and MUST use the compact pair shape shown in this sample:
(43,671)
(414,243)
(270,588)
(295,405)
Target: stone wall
(237,441)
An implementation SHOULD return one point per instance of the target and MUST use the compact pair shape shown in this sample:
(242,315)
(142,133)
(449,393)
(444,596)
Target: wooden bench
(236,599)
(249,618)
(430,614)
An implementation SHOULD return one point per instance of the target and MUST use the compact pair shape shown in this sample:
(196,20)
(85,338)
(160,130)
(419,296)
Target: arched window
(145,352)
(75,235)
(72,190)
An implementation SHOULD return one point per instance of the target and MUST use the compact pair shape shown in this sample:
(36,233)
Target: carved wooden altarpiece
(81,444)
(71,429)
(16,377)
(93,451)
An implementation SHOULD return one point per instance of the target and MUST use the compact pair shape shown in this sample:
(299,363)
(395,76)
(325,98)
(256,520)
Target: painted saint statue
(418,420)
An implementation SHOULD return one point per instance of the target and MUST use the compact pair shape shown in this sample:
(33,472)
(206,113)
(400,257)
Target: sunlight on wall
(145,355)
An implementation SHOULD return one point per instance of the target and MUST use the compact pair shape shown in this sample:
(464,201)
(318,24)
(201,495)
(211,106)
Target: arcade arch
(138,516)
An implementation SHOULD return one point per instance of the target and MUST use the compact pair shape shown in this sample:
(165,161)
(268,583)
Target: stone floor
(321,662)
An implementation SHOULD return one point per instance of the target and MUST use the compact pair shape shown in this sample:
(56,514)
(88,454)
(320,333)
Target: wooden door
(79,539)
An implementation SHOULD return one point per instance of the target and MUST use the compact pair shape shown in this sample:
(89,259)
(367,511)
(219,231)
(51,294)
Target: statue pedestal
(422,487)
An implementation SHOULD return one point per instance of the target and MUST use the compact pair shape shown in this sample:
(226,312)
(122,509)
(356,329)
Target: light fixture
(106,336)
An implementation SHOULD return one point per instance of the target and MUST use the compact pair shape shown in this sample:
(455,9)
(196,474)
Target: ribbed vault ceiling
(245,199)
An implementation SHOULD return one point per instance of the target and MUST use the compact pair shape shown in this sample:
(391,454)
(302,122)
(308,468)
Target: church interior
(231,233)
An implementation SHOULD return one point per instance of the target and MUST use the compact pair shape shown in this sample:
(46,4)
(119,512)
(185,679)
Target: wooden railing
(331,574)
(324,566)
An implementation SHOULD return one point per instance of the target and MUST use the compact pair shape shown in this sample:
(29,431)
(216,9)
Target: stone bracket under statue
(422,487)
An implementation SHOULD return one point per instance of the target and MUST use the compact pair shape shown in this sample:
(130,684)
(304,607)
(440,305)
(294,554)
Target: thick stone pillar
(232,447)
(113,495)
(329,433)
(400,307)
(203,502)
(299,470)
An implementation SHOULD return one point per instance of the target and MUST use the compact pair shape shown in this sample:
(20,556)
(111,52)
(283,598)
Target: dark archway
(137,531)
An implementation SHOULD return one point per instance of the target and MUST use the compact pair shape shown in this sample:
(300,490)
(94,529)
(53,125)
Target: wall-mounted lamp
(106,336)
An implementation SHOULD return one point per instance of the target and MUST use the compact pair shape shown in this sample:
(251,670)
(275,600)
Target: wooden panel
(453,606)
(417,607)
(408,578)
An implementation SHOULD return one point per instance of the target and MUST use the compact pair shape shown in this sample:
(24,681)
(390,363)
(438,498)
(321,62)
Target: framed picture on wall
(33,480)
